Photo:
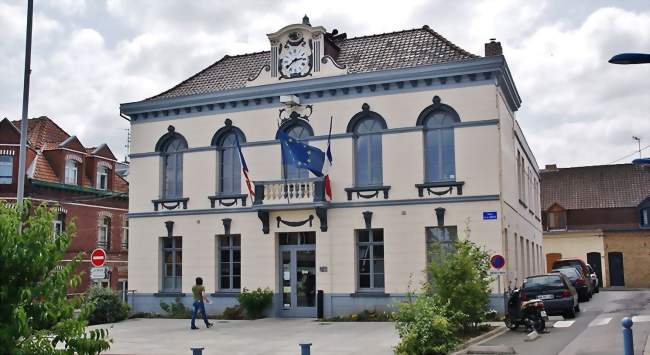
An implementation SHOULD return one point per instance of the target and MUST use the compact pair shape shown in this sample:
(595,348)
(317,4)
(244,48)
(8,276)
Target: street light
(630,58)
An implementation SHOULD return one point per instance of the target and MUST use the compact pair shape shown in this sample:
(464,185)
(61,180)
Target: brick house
(85,185)
(600,214)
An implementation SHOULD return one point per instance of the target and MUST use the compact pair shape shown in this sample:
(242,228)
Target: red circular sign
(497,261)
(98,257)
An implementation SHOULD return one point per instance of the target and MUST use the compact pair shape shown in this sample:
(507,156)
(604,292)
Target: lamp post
(23,124)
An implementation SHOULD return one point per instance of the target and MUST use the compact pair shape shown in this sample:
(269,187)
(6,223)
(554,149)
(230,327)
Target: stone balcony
(289,192)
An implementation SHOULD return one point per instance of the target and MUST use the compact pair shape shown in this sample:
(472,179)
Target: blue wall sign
(490,215)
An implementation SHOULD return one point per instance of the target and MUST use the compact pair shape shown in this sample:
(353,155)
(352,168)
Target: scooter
(530,314)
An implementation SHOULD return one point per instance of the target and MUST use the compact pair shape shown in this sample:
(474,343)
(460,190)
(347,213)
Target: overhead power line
(631,154)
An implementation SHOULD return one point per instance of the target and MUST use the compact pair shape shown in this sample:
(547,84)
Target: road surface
(596,330)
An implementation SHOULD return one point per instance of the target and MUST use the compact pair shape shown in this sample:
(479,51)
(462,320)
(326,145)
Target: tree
(462,280)
(36,317)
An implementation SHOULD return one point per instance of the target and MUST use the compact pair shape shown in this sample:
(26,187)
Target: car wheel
(570,314)
(576,309)
(597,290)
(537,323)
(510,324)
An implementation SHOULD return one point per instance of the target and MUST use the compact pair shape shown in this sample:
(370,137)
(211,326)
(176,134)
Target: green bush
(176,310)
(107,307)
(255,302)
(426,326)
(232,313)
(462,280)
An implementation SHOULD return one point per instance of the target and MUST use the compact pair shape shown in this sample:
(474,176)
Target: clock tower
(298,52)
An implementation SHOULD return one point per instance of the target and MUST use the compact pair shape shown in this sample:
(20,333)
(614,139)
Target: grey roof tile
(394,50)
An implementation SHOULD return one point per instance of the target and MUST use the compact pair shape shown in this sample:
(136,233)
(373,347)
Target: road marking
(640,319)
(599,321)
(563,323)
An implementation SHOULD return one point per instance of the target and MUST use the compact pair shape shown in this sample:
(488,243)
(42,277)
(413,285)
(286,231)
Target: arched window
(439,152)
(229,162)
(103,233)
(367,126)
(171,147)
(300,130)
(102,178)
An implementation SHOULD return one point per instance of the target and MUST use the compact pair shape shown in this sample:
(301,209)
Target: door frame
(294,311)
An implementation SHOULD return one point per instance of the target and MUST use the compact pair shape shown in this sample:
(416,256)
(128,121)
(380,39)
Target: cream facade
(307,248)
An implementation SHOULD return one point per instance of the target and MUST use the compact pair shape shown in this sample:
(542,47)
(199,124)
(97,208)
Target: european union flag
(301,155)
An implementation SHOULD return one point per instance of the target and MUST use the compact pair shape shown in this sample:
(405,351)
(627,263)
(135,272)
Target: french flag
(328,165)
(244,168)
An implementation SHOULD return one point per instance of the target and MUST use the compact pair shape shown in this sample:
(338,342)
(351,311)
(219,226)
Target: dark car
(555,290)
(581,284)
(575,262)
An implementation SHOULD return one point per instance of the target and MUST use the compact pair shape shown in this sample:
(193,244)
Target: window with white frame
(125,233)
(440,242)
(6,169)
(370,256)
(102,178)
(103,234)
(71,172)
(57,224)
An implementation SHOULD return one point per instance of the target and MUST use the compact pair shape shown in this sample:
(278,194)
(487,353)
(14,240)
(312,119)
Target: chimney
(493,48)
(551,167)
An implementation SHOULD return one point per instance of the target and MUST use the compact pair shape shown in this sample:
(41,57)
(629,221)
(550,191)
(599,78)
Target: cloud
(90,56)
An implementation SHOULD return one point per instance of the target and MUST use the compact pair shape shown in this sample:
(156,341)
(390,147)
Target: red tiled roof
(602,186)
(45,135)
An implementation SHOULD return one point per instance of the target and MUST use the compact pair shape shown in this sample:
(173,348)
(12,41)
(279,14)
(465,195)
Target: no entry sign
(98,257)
(497,261)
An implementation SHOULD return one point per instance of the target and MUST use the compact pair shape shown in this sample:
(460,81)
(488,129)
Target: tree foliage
(36,317)
(462,280)
(107,306)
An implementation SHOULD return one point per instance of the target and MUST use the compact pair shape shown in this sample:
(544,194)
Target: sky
(89,56)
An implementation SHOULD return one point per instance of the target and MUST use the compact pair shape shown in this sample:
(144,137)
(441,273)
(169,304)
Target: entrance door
(593,259)
(298,274)
(616,269)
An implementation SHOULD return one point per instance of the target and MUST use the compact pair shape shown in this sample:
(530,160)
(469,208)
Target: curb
(480,339)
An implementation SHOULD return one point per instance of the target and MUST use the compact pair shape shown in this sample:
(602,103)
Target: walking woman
(198,291)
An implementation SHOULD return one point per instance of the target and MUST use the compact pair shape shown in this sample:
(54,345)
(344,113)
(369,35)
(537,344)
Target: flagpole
(23,123)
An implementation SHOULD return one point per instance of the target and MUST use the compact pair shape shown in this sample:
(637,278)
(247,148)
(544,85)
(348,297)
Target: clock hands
(293,61)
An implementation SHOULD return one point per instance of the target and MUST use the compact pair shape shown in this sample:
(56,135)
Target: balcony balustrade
(283,192)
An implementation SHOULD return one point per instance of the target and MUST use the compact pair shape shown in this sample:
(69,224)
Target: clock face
(295,57)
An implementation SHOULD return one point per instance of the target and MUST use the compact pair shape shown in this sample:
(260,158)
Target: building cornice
(475,71)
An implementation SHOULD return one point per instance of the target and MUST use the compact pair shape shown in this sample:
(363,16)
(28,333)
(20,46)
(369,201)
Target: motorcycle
(530,313)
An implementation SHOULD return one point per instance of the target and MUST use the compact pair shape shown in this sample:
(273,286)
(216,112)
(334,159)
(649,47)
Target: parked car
(581,284)
(555,290)
(594,279)
(582,267)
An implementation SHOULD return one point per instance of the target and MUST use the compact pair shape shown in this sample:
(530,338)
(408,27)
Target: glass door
(297,276)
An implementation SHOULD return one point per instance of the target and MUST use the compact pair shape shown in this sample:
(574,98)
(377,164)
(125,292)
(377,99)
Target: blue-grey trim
(267,95)
(169,294)
(478,123)
(525,149)
(350,204)
(370,294)
(225,294)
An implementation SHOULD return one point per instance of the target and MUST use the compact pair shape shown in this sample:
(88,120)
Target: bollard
(305,349)
(628,343)
(197,351)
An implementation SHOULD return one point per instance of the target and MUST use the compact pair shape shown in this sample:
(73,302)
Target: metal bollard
(197,351)
(305,349)
(628,343)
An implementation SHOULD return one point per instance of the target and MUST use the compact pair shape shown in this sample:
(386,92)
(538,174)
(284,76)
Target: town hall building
(425,150)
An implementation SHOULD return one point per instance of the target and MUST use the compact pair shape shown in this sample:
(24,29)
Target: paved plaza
(271,336)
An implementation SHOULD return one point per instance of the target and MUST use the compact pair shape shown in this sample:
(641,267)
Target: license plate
(543,314)
(546,297)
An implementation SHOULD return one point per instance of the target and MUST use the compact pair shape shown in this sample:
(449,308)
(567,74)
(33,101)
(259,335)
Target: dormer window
(645,217)
(102,178)
(71,172)
(556,218)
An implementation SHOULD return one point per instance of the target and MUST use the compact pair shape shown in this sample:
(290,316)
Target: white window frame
(125,234)
(71,171)
(103,233)
(102,172)
(7,179)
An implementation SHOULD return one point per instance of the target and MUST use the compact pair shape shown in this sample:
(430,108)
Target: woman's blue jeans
(196,306)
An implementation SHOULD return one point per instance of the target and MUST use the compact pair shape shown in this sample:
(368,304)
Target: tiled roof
(602,186)
(43,130)
(43,135)
(394,50)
